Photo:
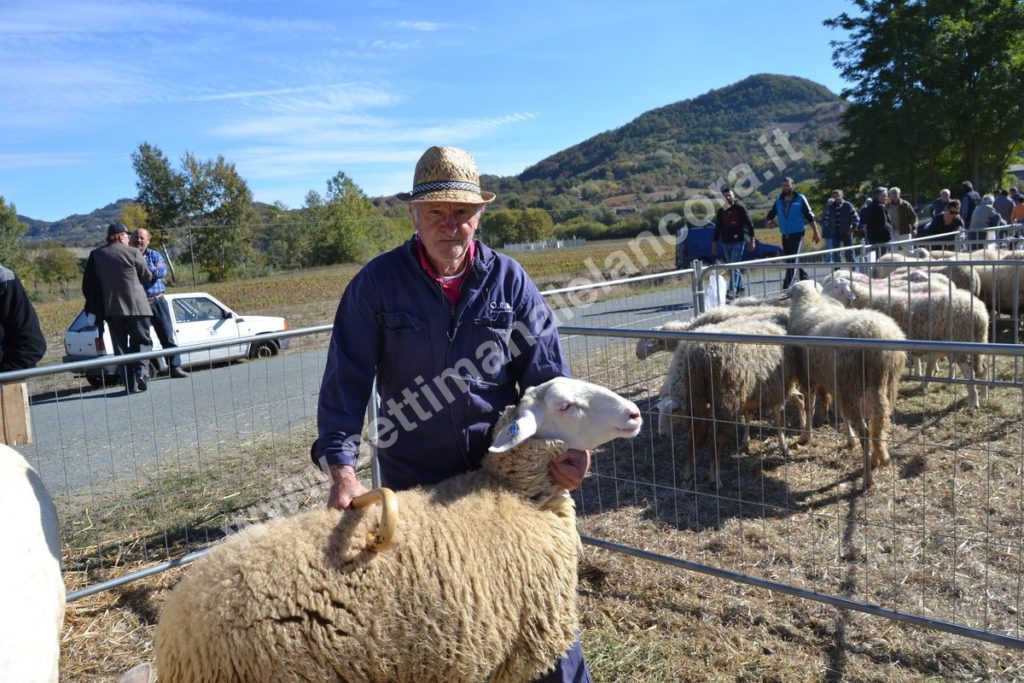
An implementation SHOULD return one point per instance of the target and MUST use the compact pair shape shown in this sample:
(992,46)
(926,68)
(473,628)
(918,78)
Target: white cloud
(427,26)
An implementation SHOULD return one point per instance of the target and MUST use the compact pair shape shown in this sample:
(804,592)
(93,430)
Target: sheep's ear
(515,432)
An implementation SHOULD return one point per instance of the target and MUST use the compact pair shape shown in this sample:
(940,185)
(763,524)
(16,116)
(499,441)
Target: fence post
(698,286)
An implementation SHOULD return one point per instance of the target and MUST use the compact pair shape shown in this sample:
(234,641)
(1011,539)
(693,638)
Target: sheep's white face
(581,414)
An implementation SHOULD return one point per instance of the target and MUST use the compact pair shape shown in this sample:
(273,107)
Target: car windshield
(83,323)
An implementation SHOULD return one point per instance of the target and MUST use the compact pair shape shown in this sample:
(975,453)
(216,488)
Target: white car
(196,318)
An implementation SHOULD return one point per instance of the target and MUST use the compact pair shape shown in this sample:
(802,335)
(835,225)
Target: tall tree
(934,95)
(220,202)
(207,196)
(161,188)
(12,254)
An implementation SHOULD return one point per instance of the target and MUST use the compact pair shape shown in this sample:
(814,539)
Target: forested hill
(694,142)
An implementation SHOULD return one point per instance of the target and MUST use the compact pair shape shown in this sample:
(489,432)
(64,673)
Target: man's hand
(816,235)
(750,244)
(568,469)
(344,487)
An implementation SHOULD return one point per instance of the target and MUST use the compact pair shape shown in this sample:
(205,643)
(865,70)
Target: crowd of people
(884,217)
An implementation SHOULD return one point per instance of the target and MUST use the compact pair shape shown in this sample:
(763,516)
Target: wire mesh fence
(142,479)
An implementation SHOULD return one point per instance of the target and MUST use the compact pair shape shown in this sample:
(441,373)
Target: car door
(199,320)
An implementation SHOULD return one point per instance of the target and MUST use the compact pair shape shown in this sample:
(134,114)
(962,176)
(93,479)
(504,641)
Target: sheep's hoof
(380,539)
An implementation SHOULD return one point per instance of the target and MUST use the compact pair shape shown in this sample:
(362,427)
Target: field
(939,534)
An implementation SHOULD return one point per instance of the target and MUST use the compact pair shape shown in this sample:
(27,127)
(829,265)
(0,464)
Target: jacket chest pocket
(493,334)
(404,333)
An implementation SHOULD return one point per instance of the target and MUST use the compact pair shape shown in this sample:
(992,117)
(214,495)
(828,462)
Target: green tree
(134,216)
(934,95)
(500,227)
(208,197)
(347,227)
(12,253)
(219,201)
(161,188)
(57,264)
(287,241)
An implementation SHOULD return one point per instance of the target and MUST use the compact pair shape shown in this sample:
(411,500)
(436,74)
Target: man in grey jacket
(112,286)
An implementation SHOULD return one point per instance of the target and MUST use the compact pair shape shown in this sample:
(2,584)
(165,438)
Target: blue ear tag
(513,429)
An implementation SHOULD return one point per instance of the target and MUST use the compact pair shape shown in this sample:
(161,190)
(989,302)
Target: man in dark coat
(22,344)
(112,286)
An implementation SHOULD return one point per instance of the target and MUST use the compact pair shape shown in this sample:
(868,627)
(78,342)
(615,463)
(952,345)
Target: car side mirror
(228,314)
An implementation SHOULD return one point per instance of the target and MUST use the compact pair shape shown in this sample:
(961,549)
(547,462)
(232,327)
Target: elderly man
(901,213)
(112,286)
(453,333)
(940,203)
(161,312)
(878,230)
(838,222)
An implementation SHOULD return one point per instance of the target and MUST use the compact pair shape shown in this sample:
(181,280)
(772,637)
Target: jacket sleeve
(536,335)
(748,225)
(23,341)
(352,358)
(91,291)
(805,207)
(772,211)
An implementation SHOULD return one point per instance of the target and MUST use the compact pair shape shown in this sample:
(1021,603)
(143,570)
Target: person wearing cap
(160,312)
(112,286)
(452,332)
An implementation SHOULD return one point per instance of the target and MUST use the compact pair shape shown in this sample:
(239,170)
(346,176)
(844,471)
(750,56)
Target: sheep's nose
(634,414)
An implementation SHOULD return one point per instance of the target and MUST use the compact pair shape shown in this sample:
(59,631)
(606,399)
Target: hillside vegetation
(664,155)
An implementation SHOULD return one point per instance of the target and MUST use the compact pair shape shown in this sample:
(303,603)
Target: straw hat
(446,174)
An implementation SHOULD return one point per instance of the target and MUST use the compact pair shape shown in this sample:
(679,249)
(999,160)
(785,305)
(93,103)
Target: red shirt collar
(452,287)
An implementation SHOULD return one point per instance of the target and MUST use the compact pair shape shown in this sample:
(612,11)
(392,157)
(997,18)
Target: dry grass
(938,535)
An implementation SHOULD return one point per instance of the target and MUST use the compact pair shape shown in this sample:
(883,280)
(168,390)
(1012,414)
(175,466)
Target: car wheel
(95,381)
(266,349)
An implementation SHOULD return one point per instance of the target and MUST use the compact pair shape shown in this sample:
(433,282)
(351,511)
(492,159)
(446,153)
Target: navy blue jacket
(444,373)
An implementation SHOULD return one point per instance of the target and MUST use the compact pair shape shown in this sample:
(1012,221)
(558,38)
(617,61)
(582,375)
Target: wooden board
(14,414)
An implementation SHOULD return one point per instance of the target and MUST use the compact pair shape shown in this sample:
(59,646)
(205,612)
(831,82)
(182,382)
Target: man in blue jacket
(792,212)
(453,333)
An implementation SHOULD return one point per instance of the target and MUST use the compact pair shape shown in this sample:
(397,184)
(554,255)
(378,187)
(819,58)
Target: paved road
(104,438)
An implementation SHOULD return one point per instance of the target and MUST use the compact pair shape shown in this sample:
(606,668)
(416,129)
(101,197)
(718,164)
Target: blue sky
(293,91)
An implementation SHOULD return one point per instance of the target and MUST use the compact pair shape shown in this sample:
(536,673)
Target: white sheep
(962,275)
(930,313)
(647,347)
(723,381)
(32,603)
(478,584)
(1002,284)
(864,382)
